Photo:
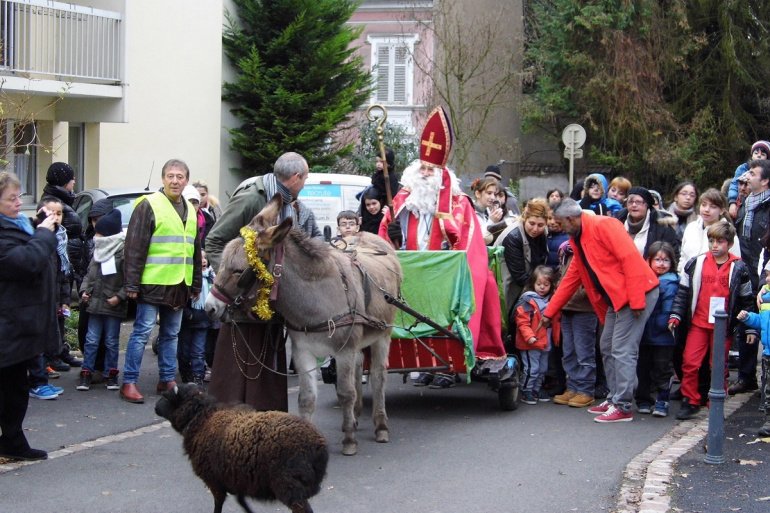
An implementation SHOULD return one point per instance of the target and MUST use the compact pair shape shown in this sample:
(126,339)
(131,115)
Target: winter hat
(657,197)
(109,224)
(59,173)
(761,145)
(745,177)
(493,171)
(100,208)
(644,193)
(190,193)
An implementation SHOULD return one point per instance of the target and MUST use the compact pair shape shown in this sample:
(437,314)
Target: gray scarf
(273,187)
(752,202)
(61,249)
(106,247)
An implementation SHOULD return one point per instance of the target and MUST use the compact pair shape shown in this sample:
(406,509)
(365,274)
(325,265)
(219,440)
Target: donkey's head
(236,282)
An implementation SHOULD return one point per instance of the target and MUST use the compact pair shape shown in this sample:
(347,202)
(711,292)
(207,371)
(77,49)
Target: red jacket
(528,317)
(613,257)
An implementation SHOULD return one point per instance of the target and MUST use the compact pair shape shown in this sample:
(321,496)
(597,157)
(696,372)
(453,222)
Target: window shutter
(399,74)
(383,73)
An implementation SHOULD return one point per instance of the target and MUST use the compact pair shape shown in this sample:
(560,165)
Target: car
(326,194)
(122,199)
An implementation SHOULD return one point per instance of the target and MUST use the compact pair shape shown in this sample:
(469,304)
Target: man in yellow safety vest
(162,266)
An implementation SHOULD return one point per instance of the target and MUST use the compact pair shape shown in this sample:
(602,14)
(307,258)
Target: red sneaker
(615,414)
(600,408)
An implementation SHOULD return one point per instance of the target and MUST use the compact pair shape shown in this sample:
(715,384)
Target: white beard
(424,195)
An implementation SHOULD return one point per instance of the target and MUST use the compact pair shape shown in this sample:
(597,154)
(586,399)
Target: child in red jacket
(535,344)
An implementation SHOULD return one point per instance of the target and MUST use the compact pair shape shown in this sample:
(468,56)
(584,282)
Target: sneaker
(542,396)
(52,374)
(687,411)
(58,390)
(600,408)
(112,380)
(423,379)
(740,386)
(58,365)
(528,397)
(661,409)
(644,408)
(565,397)
(43,392)
(207,375)
(581,401)
(614,414)
(85,380)
(444,381)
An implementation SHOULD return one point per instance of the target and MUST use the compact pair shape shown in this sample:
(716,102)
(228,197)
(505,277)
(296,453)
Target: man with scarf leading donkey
(232,380)
(753,237)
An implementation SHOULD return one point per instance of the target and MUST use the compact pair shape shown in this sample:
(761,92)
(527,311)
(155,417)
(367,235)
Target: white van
(327,194)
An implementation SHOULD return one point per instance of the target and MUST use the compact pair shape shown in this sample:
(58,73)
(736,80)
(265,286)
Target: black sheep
(265,455)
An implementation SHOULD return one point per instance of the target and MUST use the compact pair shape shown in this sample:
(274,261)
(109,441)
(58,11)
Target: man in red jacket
(623,291)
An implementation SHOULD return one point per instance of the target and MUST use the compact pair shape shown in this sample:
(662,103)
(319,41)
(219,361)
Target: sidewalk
(742,483)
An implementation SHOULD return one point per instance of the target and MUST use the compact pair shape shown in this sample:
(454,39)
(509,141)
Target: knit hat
(761,145)
(59,173)
(109,224)
(745,177)
(493,171)
(100,208)
(190,193)
(644,193)
(657,197)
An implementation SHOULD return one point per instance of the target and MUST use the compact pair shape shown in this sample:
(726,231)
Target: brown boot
(129,392)
(165,385)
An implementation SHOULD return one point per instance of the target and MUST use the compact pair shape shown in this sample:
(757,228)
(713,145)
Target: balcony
(44,44)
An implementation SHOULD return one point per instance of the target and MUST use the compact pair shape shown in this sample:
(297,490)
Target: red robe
(455,226)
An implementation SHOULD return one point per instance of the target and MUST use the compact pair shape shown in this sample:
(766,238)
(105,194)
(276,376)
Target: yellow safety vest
(172,246)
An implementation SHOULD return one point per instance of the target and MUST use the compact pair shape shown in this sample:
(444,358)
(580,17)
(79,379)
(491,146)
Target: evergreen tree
(298,80)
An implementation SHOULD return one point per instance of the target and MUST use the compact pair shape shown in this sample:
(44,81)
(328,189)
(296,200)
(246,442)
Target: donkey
(332,302)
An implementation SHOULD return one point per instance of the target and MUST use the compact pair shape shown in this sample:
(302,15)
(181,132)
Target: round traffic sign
(573,136)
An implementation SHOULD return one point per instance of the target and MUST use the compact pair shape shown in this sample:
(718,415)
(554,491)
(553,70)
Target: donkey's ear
(278,233)
(268,216)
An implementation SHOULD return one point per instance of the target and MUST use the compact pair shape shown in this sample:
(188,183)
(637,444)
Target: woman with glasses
(643,222)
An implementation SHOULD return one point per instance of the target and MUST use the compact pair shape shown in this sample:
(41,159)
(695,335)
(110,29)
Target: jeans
(578,333)
(170,321)
(191,350)
(620,349)
(535,365)
(98,326)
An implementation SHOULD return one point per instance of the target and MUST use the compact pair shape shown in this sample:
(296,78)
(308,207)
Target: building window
(19,154)
(76,147)
(393,68)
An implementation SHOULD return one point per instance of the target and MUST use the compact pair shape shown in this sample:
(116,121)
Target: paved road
(450,451)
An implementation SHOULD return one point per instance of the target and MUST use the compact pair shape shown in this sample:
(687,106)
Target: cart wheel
(508,396)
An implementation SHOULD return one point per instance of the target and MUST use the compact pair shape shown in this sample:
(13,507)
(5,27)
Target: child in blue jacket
(761,322)
(655,366)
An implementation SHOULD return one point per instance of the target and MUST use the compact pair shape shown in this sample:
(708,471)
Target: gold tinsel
(262,306)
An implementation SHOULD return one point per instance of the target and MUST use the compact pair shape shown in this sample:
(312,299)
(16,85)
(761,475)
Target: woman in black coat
(644,223)
(28,325)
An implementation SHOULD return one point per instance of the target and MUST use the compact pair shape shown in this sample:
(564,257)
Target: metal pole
(716,435)
(572,166)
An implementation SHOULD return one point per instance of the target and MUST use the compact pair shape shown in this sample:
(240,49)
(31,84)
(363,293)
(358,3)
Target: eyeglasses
(12,198)
(690,194)
(658,260)
(635,202)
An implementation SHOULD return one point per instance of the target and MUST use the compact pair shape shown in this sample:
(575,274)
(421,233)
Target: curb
(647,477)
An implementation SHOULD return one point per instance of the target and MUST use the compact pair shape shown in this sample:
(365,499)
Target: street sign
(569,153)
(573,136)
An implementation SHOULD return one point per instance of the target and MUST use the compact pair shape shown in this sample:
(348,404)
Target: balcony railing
(58,41)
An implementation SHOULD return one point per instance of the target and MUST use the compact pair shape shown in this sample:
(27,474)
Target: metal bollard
(716,435)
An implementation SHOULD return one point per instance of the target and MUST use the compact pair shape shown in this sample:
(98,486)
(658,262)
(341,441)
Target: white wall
(173,95)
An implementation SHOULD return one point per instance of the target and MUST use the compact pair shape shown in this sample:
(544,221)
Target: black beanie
(109,224)
(59,173)
(644,193)
(493,171)
(100,208)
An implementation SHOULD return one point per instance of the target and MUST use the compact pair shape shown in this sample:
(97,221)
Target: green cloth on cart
(438,285)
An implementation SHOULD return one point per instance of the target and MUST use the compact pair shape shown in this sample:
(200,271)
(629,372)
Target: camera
(496,204)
